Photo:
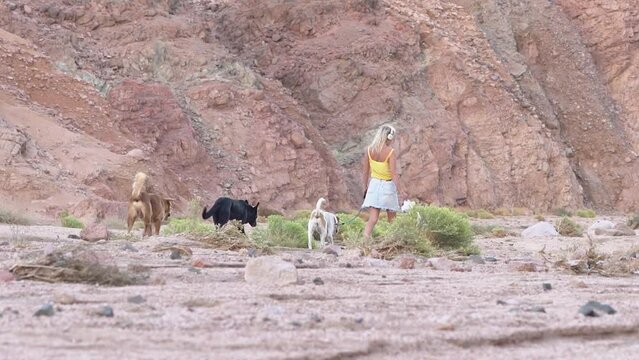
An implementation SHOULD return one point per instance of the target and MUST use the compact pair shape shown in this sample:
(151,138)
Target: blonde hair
(385,132)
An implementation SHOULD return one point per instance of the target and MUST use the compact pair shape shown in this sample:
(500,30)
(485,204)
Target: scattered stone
(137,299)
(540,229)
(27,9)
(547,286)
(595,308)
(6,276)
(600,224)
(378,263)
(12,6)
(476,259)
(73,236)
(581,285)
(198,263)
(270,270)
(64,299)
(318,281)
(276,37)
(195,270)
(490,258)
(539,309)
(252,252)
(407,262)
(105,311)
(619,229)
(129,247)
(94,232)
(175,255)
(507,302)
(332,250)
(45,310)
(440,263)
(524,266)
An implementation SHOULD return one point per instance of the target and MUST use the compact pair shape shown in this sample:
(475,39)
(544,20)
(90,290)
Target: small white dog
(324,222)
(407,205)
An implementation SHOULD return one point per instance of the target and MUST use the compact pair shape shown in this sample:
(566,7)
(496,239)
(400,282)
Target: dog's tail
(205,215)
(317,213)
(138,184)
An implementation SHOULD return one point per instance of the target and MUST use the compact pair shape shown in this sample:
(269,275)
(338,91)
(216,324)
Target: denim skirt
(381,194)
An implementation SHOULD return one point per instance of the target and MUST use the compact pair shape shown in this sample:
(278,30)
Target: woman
(380,178)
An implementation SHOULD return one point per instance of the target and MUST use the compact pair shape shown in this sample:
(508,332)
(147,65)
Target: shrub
(188,225)
(7,217)
(520,211)
(70,221)
(287,233)
(562,212)
(480,214)
(540,217)
(586,213)
(407,234)
(567,227)
(446,228)
(499,232)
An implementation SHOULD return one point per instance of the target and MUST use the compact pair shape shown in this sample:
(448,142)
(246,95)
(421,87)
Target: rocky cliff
(497,103)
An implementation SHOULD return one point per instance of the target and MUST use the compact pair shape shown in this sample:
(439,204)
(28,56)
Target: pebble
(318,281)
(137,299)
(595,308)
(45,310)
(547,286)
(476,259)
(129,247)
(175,255)
(105,311)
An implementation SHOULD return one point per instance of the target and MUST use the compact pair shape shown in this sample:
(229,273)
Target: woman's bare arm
(393,167)
(366,171)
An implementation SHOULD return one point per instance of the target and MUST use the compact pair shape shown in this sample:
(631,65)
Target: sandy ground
(365,308)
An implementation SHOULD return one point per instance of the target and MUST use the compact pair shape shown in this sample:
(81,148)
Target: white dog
(407,205)
(324,222)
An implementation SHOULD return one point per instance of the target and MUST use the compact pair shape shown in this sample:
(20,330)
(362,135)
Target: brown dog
(151,208)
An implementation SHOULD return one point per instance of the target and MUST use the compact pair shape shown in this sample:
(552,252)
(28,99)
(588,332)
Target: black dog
(226,209)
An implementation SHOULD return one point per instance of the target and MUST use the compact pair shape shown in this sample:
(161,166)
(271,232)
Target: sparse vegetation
(480,229)
(586,213)
(562,212)
(520,211)
(499,232)
(540,217)
(502,212)
(187,225)
(480,214)
(567,227)
(287,233)
(70,221)
(8,217)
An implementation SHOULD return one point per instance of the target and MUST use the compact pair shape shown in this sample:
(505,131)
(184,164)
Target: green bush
(408,233)
(562,212)
(586,213)
(7,217)
(287,233)
(446,228)
(567,227)
(188,225)
(480,214)
(70,221)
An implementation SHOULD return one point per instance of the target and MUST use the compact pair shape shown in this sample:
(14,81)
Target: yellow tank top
(380,169)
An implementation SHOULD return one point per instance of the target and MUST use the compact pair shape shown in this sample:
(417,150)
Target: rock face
(528,104)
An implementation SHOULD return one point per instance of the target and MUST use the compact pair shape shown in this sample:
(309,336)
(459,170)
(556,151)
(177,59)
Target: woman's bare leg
(391,216)
(373,215)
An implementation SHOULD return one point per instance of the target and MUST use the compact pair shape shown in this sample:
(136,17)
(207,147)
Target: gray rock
(540,229)
(595,308)
(105,311)
(175,255)
(129,247)
(600,224)
(318,281)
(332,250)
(490,258)
(94,232)
(137,299)
(546,286)
(476,259)
(45,310)
(270,270)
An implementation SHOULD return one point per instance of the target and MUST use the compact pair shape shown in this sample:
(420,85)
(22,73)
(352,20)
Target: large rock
(619,229)
(540,229)
(94,232)
(270,270)
(600,224)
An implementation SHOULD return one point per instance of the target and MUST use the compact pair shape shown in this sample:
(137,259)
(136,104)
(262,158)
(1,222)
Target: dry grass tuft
(76,266)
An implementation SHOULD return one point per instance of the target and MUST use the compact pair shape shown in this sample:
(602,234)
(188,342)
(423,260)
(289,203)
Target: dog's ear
(256,205)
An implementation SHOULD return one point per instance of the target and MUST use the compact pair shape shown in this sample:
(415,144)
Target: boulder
(270,270)
(94,232)
(540,229)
